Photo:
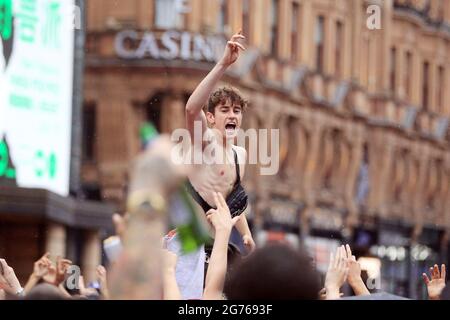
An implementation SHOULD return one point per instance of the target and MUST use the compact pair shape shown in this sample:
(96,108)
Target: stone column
(432,82)
(307,33)
(284,29)
(173,113)
(92,254)
(356,150)
(314,152)
(55,241)
(385,46)
(418,197)
(380,154)
(357,36)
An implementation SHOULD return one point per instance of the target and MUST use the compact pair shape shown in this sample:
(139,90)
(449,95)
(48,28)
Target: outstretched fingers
(349,251)
(425,278)
(237,36)
(221,199)
(234,45)
(443,272)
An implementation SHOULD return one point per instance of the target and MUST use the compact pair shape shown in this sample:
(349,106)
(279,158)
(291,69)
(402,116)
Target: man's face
(227,119)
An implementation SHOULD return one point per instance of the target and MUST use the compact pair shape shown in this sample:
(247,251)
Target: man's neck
(223,141)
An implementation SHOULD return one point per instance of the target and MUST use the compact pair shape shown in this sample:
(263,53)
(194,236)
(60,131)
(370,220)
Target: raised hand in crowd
(86,292)
(232,50)
(102,279)
(8,280)
(337,273)
(354,274)
(61,268)
(222,222)
(436,284)
(41,269)
(120,224)
(171,290)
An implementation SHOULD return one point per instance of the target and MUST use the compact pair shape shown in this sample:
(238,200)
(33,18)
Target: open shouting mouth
(230,128)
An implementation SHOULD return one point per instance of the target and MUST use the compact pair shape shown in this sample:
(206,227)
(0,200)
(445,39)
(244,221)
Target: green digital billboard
(36,84)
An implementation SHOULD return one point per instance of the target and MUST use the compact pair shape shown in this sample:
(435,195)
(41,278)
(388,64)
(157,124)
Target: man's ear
(210,118)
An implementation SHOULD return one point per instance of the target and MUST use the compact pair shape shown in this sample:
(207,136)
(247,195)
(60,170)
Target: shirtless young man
(220,125)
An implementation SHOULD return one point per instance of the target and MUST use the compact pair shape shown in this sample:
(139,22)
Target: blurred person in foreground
(137,274)
(275,271)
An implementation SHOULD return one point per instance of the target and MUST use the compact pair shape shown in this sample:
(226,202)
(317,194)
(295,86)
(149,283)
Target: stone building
(358,89)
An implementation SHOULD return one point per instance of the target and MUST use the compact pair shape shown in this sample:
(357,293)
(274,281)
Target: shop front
(425,253)
(393,248)
(35,221)
(326,234)
(281,222)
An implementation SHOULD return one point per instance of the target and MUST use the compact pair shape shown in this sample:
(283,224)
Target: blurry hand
(170,260)
(41,267)
(336,274)
(156,171)
(61,268)
(249,243)
(354,268)
(83,290)
(437,282)
(120,224)
(9,281)
(102,279)
(220,218)
(231,53)
(354,274)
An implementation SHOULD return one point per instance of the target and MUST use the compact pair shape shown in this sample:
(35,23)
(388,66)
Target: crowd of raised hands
(342,268)
(51,280)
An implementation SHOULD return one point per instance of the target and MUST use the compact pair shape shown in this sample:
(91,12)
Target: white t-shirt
(190,269)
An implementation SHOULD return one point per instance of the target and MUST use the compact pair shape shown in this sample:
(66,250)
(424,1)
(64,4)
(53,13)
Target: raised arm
(137,273)
(171,291)
(201,94)
(222,222)
(436,284)
(354,274)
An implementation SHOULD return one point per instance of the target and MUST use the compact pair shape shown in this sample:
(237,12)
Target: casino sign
(169,45)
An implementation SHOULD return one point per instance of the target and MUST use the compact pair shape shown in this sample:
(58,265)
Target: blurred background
(357,88)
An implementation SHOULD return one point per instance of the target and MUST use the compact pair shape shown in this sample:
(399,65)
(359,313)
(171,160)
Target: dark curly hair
(222,96)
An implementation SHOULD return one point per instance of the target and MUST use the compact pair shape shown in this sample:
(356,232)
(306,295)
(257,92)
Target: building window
(441,86)
(407,74)
(89,132)
(425,87)
(392,67)
(368,45)
(246,9)
(167,16)
(153,110)
(363,180)
(222,22)
(339,46)
(319,41)
(274,28)
(295,30)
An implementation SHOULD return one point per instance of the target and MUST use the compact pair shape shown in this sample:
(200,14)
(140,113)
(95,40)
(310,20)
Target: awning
(43,205)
